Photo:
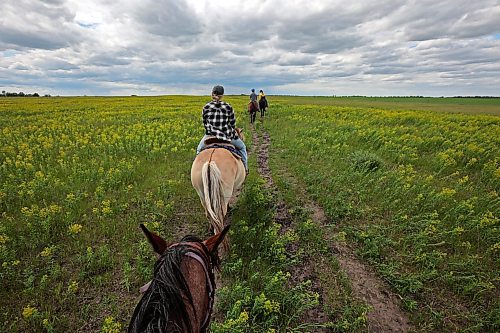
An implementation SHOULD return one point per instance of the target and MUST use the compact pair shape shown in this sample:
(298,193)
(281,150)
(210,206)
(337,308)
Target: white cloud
(300,47)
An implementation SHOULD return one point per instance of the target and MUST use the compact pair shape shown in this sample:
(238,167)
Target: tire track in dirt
(386,314)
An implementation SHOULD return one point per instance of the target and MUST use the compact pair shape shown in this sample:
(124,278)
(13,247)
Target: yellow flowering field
(414,186)
(415,189)
(78,175)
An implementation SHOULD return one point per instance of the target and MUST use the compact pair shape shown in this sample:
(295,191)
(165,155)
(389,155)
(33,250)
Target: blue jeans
(238,143)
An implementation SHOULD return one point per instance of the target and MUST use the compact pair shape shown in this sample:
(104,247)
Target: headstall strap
(199,252)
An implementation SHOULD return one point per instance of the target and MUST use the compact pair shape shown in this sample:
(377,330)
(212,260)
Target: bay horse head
(180,296)
(239,132)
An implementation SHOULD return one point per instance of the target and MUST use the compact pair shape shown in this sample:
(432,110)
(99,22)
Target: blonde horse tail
(214,195)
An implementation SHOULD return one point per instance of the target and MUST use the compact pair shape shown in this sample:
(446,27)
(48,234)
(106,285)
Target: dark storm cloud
(172,18)
(330,30)
(426,20)
(431,57)
(37,24)
(11,38)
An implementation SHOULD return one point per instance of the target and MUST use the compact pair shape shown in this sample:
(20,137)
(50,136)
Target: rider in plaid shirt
(219,121)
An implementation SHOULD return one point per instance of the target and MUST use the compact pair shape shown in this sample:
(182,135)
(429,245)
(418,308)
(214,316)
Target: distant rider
(219,121)
(262,103)
(253,110)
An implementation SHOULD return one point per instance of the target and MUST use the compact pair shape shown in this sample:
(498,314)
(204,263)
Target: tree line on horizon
(20,94)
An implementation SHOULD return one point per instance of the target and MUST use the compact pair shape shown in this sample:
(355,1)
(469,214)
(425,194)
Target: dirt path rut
(386,313)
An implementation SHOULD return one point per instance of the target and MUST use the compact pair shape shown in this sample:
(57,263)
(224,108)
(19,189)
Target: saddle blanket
(231,149)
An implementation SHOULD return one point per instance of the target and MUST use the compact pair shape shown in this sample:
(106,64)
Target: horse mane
(214,257)
(162,304)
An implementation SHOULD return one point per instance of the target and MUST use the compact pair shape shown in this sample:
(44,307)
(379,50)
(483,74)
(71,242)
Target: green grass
(79,174)
(455,105)
(347,313)
(426,216)
(258,293)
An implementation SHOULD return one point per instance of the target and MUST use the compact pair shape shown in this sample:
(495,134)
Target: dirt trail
(386,314)
(303,271)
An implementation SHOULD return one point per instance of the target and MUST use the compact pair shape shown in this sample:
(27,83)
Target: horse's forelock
(190,238)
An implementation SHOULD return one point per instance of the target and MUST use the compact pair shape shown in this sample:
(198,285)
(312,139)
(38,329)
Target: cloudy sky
(309,47)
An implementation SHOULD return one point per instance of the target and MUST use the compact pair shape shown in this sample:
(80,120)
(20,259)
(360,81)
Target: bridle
(199,252)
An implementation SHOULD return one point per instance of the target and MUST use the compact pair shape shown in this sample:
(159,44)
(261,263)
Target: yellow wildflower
(488,219)
(472,161)
(110,326)
(75,228)
(73,287)
(26,211)
(47,251)
(271,306)
(3,239)
(106,210)
(70,197)
(29,311)
(55,208)
(496,173)
(243,317)
(447,192)
(466,245)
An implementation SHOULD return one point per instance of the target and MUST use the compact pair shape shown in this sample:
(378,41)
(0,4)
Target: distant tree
(20,94)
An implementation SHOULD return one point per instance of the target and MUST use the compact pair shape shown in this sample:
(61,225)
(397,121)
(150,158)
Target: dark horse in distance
(253,108)
(181,295)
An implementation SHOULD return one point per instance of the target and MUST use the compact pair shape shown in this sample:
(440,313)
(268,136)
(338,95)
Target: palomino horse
(181,295)
(216,174)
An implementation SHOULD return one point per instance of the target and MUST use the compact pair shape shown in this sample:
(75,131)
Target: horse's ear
(239,131)
(158,243)
(213,242)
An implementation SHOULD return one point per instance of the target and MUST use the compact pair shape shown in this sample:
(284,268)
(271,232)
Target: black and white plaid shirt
(218,119)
